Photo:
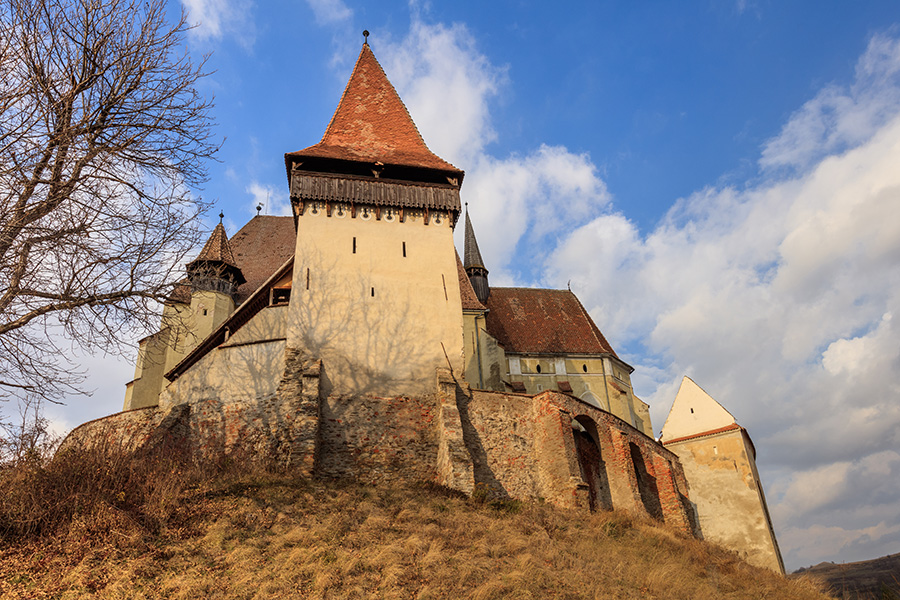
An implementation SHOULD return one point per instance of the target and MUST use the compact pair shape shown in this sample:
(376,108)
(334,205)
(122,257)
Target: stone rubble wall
(278,427)
(524,447)
(374,439)
(504,445)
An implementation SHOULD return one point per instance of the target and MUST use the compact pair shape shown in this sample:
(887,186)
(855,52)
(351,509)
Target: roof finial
(366,37)
(221,216)
(258,208)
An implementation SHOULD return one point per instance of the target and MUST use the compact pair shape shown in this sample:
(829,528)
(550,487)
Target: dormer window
(281,296)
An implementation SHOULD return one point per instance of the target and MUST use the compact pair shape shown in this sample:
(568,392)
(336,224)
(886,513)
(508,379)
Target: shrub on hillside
(91,489)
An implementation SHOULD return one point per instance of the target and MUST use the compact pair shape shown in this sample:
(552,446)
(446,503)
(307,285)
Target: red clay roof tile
(260,248)
(371,124)
(217,248)
(732,427)
(537,321)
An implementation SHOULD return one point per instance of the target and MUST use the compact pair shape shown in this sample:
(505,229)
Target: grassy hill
(875,578)
(89,528)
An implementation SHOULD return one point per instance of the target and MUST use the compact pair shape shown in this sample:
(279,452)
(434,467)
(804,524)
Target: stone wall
(378,439)
(728,493)
(280,426)
(555,447)
(552,446)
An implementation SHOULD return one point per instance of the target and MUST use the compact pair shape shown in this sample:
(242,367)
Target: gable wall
(727,491)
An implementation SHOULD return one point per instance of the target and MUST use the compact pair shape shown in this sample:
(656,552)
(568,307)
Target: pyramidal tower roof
(216,259)
(371,124)
(217,248)
(472,253)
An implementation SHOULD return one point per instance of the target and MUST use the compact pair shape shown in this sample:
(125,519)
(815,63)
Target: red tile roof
(732,427)
(466,293)
(260,248)
(536,321)
(217,248)
(371,124)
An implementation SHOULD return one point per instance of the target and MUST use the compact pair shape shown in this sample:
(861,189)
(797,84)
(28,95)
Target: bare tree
(103,137)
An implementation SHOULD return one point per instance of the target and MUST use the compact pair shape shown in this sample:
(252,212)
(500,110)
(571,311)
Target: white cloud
(779,299)
(841,116)
(215,19)
(447,85)
(329,11)
(273,199)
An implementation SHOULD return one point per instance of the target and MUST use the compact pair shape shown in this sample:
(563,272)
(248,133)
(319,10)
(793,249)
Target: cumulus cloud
(215,19)
(839,117)
(448,86)
(329,11)
(273,199)
(780,300)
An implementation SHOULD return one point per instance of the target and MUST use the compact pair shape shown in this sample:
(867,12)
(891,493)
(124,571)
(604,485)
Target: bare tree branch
(103,137)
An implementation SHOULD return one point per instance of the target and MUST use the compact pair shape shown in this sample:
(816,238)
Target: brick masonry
(552,446)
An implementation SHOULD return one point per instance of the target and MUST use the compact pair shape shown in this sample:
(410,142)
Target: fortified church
(350,340)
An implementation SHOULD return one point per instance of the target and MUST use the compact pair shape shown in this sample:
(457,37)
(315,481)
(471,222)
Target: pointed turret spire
(215,269)
(371,125)
(474,264)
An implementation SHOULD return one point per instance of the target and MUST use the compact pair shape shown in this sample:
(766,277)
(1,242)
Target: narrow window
(373,292)
(404,249)
(444,280)
(354,245)
(307,279)
(204,312)
(692,411)
(584,368)
(538,368)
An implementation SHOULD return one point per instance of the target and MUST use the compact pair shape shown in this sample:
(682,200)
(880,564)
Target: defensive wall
(551,446)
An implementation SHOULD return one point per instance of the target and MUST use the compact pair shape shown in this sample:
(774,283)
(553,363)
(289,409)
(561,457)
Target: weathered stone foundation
(552,446)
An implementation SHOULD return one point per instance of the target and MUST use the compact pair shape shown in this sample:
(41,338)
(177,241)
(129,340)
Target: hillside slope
(274,536)
(875,578)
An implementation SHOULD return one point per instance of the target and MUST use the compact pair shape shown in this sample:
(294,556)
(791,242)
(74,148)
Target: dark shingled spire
(474,264)
(215,269)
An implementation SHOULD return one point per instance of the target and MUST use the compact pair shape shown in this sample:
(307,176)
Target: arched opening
(591,463)
(646,483)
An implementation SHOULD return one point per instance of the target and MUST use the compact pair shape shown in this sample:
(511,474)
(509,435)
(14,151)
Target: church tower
(214,278)
(375,285)
(193,313)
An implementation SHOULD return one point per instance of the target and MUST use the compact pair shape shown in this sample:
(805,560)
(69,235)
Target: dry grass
(272,536)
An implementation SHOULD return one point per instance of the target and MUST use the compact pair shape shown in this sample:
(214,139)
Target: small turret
(474,265)
(215,269)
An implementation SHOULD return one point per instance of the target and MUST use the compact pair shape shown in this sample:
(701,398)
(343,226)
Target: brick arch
(646,482)
(591,463)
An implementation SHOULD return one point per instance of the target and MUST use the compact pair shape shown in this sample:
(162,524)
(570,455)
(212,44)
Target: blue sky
(718,180)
